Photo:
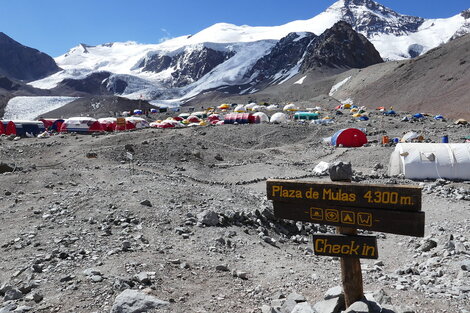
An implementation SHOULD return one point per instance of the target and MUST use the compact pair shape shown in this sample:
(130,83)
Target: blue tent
(418,115)
(438,117)
(363,118)
(390,112)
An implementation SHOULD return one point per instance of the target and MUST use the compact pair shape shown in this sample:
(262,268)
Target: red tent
(349,137)
(10,129)
(2,128)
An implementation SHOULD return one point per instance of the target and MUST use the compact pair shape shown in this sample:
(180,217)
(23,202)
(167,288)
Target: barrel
(385,140)
(445,139)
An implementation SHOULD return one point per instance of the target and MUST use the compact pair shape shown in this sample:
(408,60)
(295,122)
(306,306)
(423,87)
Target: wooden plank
(328,194)
(364,247)
(387,221)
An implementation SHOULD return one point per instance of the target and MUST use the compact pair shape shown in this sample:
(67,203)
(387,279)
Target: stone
(12,294)
(288,306)
(208,218)
(465,265)
(146,203)
(267,309)
(10,307)
(358,307)
(428,245)
(332,305)
(340,171)
(303,307)
(126,245)
(133,301)
(382,297)
(96,278)
(334,292)
(240,274)
(296,297)
(4,168)
(143,278)
(222,268)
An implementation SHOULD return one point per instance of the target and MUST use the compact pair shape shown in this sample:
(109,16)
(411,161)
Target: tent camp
(22,128)
(349,137)
(431,160)
(81,125)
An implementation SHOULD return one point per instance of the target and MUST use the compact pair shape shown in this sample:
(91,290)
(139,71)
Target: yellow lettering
(276,189)
(298,194)
(371,249)
(345,250)
(317,245)
(327,194)
(352,197)
(336,249)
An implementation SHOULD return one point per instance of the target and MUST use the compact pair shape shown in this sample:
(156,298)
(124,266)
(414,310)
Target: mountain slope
(436,82)
(24,63)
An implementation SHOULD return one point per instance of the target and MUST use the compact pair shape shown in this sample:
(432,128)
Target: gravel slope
(63,213)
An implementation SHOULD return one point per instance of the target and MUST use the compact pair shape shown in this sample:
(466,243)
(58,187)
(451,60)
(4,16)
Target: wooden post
(351,273)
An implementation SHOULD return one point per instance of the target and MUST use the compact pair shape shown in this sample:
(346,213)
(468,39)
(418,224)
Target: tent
(199,114)
(241,118)
(263,118)
(272,107)
(431,160)
(349,137)
(460,121)
(224,106)
(390,112)
(23,128)
(278,118)
(409,136)
(418,116)
(138,122)
(2,128)
(250,106)
(290,108)
(108,123)
(153,111)
(81,125)
(305,116)
(240,109)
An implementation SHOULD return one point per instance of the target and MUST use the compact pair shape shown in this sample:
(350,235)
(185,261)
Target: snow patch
(336,87)
(300,81)
(28,108)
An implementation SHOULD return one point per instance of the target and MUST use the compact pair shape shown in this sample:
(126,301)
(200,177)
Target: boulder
(133,301)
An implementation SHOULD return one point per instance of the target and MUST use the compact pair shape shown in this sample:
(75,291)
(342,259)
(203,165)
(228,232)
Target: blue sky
(55,26)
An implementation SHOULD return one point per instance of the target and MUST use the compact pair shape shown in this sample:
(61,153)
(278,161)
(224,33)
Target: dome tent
(278,118)
(431,160)
(349,137)
(263,118)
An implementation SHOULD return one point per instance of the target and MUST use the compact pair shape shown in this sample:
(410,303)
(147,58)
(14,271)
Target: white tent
(278,118)
(263,118)
(431,160)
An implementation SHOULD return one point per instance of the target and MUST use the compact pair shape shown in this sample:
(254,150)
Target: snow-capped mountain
(225,55)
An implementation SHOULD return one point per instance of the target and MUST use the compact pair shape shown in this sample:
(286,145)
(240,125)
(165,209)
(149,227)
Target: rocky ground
(188,227)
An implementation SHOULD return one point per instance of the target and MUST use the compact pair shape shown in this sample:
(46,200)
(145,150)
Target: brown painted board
(364,247)
(387,221)
(327,194)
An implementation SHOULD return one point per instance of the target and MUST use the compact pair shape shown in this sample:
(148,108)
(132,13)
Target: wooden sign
(332,194)
(121,121)
(364,247)
(387,221)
